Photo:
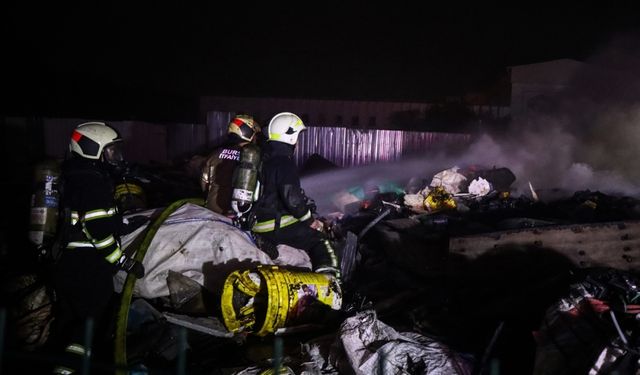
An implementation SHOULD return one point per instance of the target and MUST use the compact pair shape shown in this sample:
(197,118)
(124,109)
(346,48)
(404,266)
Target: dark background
(151,61)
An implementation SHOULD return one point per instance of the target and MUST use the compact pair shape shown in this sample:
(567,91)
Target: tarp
(192,241)
(376,348)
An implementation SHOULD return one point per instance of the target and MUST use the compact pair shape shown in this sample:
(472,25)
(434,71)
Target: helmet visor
(112,153)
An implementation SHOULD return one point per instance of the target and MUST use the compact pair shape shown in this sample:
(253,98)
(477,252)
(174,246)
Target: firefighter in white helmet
(83,276)
(283,214)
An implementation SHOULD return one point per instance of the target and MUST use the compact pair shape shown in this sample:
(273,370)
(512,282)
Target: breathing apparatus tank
(45,202)
(245,180)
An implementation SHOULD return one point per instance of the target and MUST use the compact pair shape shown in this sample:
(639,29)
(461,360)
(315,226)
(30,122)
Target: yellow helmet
(243,126)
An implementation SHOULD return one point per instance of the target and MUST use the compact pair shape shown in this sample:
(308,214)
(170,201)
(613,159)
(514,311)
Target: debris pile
(450,274)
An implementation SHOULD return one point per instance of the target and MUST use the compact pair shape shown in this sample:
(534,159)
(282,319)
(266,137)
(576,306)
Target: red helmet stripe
(76,135)
(238,122)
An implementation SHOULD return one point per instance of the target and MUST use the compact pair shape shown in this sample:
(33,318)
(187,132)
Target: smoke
(586,136)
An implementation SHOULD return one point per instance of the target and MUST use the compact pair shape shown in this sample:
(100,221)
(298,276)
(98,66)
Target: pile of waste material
(455,278)
(449,274)
(476,200)
(183,288)
(463,259)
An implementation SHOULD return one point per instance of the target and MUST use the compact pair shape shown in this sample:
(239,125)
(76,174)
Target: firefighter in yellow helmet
(218,170)
(283,212)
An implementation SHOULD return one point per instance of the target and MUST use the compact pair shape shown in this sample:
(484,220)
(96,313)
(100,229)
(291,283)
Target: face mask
(113,157)
(112,154)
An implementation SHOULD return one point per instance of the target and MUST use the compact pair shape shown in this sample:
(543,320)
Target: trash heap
(443,274)
(462,259)
(451,188)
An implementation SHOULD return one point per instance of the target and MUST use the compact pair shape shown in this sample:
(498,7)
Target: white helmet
(97,141)
(285,127)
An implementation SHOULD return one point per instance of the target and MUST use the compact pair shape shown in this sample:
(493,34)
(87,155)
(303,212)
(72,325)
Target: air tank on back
(245,180)
(45,201)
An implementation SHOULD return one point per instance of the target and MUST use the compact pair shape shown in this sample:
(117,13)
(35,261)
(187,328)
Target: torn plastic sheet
(480,187)
(449,179)
(373,347)
(499,178)
(415,202)
(191,237)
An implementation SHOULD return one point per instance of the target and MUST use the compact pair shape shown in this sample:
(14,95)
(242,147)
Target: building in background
(533,86)
(317,112)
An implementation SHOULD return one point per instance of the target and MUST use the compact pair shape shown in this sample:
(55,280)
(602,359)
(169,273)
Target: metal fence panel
(347,147)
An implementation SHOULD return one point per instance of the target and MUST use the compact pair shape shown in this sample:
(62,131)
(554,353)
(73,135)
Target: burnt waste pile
(543,282)
(449,273)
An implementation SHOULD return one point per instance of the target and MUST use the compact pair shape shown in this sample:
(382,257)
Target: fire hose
(120,344)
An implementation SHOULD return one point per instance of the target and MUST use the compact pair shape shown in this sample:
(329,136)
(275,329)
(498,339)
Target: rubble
(450,276)
(593,328)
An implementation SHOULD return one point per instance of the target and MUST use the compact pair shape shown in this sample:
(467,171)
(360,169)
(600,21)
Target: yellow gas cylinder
(269,298)
(238,295)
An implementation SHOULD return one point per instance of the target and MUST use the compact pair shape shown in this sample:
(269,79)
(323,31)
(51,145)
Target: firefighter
(283,213)
(217,173)
(83,276)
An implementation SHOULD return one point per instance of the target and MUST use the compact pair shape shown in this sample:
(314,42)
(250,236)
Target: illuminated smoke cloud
(590,140)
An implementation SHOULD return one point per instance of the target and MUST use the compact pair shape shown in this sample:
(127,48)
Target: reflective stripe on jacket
(281,197)
(112,254)
(270,225)
(89,196)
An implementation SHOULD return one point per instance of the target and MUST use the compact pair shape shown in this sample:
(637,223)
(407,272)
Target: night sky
(151,62)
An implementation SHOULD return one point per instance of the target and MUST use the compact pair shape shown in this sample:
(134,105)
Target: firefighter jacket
(217,176)
(89,196)
(282,201)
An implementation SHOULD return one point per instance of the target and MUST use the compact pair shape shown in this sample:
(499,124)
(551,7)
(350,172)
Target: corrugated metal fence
(352,147)
(149,142)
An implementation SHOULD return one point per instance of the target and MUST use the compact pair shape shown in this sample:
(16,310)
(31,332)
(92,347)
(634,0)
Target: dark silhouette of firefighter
(283,213)
(91,252)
